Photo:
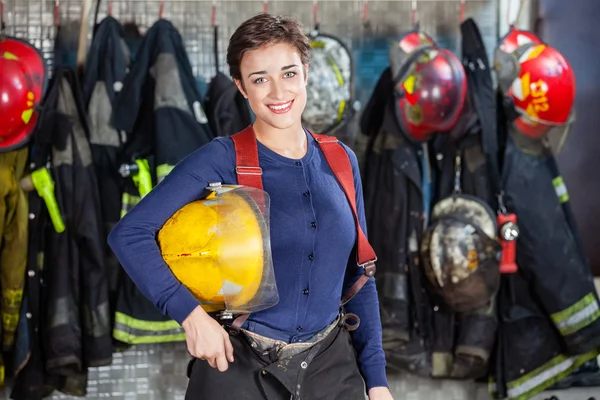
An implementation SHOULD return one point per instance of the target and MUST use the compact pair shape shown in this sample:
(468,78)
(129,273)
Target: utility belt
(279,349)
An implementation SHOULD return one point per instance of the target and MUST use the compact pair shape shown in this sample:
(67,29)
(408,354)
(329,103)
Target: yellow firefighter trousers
(13,243)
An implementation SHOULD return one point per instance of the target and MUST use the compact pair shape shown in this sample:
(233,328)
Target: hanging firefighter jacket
(106,67)
(160,109)
(226,108)
(461,166)
(13,244)
(394,214)
(66,321)
(550,313)
(420,334)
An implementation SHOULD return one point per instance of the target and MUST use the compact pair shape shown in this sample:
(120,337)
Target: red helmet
(431,88)
(21,89)
(544,90)
(540,84)
(516,38)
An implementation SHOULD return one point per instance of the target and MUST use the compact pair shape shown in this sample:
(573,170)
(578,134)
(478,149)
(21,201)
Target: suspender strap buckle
(369,267)
(241,170)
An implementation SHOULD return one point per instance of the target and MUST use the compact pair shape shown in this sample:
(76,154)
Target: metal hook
(56,12)
(2,24)
(413,14)
(110,4)
(161,9)
(213,13)
(316,15)
(461,11)
(364,17)
(515,22)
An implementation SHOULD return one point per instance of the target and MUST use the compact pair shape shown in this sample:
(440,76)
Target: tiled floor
(158,373)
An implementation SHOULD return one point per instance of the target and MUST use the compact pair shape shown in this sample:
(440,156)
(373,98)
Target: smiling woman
(317,238)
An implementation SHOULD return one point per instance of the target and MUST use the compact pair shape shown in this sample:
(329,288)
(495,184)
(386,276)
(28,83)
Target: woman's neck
(291,142)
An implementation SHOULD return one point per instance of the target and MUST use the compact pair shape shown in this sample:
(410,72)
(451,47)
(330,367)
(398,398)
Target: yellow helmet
(219,248)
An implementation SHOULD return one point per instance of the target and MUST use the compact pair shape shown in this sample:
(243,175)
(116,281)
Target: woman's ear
(240,87)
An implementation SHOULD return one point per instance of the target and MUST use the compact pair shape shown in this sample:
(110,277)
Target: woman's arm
(367,338)
(133,239)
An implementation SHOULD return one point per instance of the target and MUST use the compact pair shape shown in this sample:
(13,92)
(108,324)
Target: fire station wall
(157,372)
(575,32)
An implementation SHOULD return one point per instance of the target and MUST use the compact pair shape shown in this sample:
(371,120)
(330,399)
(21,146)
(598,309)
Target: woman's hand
(207,340)
(380,393)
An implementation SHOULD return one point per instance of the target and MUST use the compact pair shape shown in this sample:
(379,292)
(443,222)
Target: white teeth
(281,107)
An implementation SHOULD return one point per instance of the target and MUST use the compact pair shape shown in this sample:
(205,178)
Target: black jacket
(420,334)
(106,67)
(66,307)
(160,110)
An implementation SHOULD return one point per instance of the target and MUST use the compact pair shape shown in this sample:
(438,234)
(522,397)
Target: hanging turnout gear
(68,322)
(549,310)
(420,333)
(21,86)
(430,86)
(160,110)
(226,108)
(227,263)
(330,97)
(105,70)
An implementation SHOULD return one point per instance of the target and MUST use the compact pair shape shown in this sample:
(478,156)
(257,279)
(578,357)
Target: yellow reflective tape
(1,374)
(336,71)
(154,327)
(128,201)
(145,325)
(317,44)
(561,189)
(132,339)
(163,170)
(341,109)
(578,316)
(563,315)
(547,375)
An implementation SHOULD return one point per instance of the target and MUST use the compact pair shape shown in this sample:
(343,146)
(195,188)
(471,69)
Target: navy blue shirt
(313,237)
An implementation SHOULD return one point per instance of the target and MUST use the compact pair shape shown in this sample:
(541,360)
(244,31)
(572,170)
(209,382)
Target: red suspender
(249,174)
(246,159)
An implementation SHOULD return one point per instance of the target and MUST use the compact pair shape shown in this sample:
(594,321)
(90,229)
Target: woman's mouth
(281,108)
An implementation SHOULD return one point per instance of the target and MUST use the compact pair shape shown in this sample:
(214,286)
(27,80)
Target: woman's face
(274,82)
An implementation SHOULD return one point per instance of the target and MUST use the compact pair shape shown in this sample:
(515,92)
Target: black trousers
(326,371)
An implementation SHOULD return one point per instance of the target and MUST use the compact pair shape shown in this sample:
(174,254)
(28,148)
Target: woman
(313,235)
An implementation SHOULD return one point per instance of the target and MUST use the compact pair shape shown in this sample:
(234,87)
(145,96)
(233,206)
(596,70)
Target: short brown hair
(265,29)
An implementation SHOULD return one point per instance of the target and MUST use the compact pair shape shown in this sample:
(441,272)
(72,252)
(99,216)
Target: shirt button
(306,194)
(298,163)
(313,224)
(299,329)
(305,292)
(311,257)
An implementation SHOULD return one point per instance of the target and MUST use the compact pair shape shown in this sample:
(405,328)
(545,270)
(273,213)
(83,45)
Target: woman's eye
(289,74)
(260,80)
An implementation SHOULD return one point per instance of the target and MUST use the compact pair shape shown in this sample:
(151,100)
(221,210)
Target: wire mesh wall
(38,20)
